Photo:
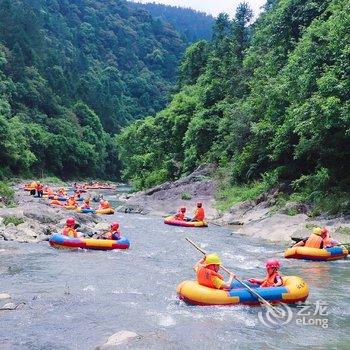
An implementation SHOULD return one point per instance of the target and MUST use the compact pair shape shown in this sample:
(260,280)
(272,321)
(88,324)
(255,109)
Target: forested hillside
(192,25)
(71,71)
(268,102)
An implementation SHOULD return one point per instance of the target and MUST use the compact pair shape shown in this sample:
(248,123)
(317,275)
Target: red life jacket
(205,276)
(314,241)
(269,281)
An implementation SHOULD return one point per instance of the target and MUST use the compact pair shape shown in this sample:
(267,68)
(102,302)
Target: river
(77,299)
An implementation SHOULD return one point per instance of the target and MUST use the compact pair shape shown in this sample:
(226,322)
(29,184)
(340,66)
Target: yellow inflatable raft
(307,253)
(105,211)
(294,289)
(170,220)
(70,207)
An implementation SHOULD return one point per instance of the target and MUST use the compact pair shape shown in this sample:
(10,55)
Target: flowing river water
(77,299)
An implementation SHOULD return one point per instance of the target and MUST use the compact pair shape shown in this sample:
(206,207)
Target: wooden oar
(264,301)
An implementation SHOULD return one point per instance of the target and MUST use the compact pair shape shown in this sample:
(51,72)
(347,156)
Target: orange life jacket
(180,216)
(205,276)
(105,205)
(39,187)
(199,214)
(71,203)
(55,202)
(70,232)
(269,281)
(314,241)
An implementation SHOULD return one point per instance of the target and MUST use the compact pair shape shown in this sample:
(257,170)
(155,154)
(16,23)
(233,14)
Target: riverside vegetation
(268,102)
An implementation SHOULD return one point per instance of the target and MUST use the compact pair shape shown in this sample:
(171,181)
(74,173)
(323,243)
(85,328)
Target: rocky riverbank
(257,218)
(34,220)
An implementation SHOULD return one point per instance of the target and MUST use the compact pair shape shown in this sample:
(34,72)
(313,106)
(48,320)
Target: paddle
(264,301)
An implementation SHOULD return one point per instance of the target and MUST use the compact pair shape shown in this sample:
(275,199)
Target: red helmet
(199,204)
(70,222)
(114,226)
(273,263)
(183,210)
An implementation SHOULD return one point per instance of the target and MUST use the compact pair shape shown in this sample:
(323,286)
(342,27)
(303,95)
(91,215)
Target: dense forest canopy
(72,73)
(191,24)
(268,100)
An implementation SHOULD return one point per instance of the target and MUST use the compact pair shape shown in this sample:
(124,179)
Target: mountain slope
(191,24)
(69,71)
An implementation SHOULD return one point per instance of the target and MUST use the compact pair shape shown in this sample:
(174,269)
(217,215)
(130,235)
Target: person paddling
(207,273)
(69,229)
(273,277)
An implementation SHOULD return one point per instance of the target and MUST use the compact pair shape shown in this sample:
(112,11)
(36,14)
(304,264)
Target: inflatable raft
(327,254)
(85,211)
(294,289)
(105,211)
(70,207)
(64,242)
(64,199)
(170,220)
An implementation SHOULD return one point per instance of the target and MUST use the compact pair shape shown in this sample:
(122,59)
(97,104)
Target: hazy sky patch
(211,6)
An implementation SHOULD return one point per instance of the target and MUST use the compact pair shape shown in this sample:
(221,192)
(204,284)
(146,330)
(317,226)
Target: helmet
(183,210)
(317,231)
(273,263)
(70,222)
(114,226)
(212,259)
(199,204)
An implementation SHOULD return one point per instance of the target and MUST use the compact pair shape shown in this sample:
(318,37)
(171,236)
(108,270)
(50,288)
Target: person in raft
(104,204)
(86,204)
(180,215)
(318,239)
(207,273)
(113,233)
(61,192)
(273,277)
(71,202)
(199,214)
(55,201)
(39,189)
(69,229)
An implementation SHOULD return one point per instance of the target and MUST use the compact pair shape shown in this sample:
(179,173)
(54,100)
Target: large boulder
(43,214)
